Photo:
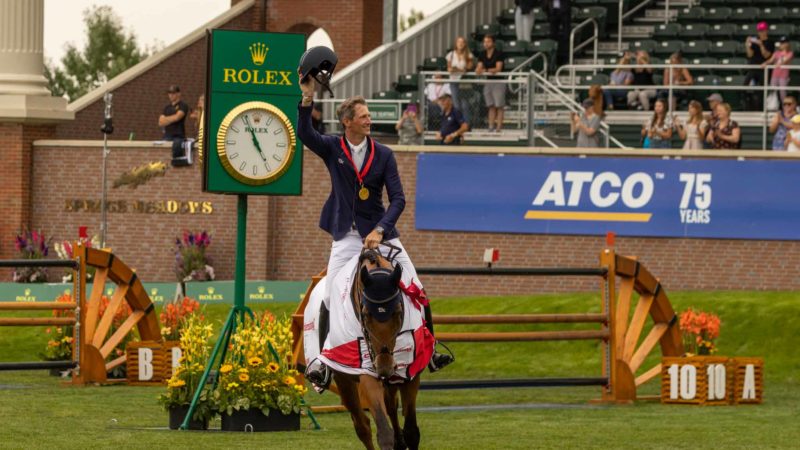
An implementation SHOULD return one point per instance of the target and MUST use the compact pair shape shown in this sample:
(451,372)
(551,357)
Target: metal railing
(624,15)
(524,64)
(594,38)
(765,88)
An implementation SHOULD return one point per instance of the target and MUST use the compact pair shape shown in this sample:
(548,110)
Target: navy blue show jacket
(344,207)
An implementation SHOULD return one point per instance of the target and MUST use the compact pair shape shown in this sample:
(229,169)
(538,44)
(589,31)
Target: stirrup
(320,377)
(441,360)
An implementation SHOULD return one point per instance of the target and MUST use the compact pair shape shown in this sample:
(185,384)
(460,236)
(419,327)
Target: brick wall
(284,241)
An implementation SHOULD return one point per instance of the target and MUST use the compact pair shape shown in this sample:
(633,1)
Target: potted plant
(699,331)
(31,245)
(59,342)
(194,341)
(174,317)
(65,250)
(191,261)
(120,315)
(256,390)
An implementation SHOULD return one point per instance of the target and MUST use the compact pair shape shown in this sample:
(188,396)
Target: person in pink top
(781,57)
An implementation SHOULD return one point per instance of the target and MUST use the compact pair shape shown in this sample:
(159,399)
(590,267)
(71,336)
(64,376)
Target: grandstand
(709,33)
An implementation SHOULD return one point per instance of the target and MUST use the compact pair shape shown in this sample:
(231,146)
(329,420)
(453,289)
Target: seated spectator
(459,61)
(726,134)
(657,131)
(409,128)
(782,123)
(621,76)
(793,139)
(640,97)
(693,132)
(780,75)
(758,49)
(587,126)
(677,76)
(491,60)
(712,118)
(433,91)
(453,124)
(596,94)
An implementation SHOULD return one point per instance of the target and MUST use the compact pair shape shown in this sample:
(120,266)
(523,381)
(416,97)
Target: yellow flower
(232,385)
(273,367)
(289,380)
(177,383)
(243,370)
(255,361)
(244,377)
(225,368)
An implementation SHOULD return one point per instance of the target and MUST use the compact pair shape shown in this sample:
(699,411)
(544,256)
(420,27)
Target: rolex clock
(256,143)
(250,120)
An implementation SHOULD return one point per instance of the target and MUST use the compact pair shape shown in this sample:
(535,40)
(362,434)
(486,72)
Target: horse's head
(381,310)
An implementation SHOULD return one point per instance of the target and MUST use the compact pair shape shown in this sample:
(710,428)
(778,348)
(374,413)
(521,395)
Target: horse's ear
(397,275)
(365,279)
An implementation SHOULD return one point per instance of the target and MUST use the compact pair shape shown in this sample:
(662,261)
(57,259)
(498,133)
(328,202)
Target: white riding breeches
(344,249)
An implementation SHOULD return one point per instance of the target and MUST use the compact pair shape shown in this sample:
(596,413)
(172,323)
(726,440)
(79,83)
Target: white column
(23,87)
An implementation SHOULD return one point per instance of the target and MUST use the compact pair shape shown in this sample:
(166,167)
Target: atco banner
(591,196)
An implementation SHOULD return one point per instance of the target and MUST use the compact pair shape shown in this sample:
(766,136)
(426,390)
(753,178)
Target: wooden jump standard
(92,341)
(624,352)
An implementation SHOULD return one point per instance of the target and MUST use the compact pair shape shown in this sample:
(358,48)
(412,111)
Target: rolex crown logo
(153,292)
(27,292)
(261,289)
(210,290)
(258,52)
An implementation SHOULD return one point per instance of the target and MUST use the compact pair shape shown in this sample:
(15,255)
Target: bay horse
(378,302)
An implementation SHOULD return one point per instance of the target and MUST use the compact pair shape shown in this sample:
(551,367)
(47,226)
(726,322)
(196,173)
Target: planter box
(255,420)
(177,414)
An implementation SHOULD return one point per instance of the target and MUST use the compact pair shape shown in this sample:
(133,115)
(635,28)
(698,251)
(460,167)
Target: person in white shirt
(459,61)
(793,138)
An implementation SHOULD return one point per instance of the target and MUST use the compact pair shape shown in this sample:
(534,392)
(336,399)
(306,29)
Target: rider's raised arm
(394,189)
(311,138)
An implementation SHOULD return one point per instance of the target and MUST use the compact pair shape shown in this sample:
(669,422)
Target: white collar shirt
(359,151)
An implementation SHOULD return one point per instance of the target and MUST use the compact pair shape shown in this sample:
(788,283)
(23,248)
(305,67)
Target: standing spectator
(559,14)
(726,134)
(793,139)
(459,61)
(596,94)
(491,60)
(197,113)
(780,75)
(676,76)
(640,97)
(621,76)
(782,123)
(409,128)
(587,126)
(758,49)
(433,91)
(173,120)
(658,129)
(453,124)
(523,19)
(693,132)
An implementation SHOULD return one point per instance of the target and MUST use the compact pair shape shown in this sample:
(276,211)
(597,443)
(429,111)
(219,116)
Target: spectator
(433,91)
(587,125)
(780,75)
(453,124)
(523,19)
(793,139)
(657,131)
(782,123)
(596,94)
(758,49)
(409,128)
(559,14)
(173,121)
(197,113)
(676,76)
(693,132)
(621,76)
(459,61)
(640,97)
(726,134)
(491,60)
(712,118)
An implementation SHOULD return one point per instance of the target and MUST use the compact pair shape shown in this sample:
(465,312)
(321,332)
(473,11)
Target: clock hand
(255,140)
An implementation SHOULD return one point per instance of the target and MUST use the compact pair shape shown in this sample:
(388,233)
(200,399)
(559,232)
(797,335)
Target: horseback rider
(354,213)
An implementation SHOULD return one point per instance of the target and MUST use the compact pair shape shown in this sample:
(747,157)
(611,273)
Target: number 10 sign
(711,380)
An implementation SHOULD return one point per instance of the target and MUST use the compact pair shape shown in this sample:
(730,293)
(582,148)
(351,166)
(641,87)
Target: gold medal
(363,193)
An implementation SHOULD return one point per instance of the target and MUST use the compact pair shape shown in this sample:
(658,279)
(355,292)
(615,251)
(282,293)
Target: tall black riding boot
(318,373)
(438,360)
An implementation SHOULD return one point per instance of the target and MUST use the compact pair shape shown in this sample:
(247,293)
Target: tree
(108,52)
(414,16)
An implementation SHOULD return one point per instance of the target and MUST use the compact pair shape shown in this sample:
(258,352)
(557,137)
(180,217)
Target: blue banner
(591,196)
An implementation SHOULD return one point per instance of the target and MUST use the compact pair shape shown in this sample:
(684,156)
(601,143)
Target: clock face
(256,143)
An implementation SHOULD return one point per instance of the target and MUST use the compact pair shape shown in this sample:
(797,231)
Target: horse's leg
(408,394)
(348,391)
(373,388)
(390,397)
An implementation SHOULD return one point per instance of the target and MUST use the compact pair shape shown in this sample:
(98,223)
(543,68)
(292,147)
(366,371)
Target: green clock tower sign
(249,141)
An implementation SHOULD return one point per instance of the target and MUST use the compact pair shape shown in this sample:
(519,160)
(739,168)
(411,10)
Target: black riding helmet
(318,62)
